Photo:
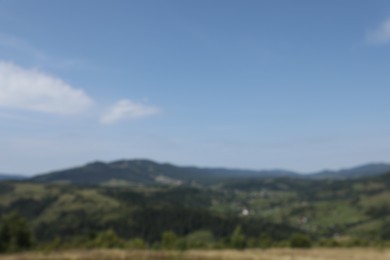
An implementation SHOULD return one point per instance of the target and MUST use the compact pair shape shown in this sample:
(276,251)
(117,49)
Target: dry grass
(271,254)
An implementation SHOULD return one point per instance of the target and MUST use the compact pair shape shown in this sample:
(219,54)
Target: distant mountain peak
(11,177)
(147,172)
(369,169)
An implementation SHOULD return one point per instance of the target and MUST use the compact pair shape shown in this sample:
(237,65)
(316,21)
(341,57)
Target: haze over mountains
(371,169)
(148,173)
(11,177)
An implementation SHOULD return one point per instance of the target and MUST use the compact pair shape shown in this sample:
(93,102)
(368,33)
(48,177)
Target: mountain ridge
(144,172)
(364,170)
(147,172)
(4,176)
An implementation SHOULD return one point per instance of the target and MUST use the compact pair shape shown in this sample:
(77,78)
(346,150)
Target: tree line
(16,235)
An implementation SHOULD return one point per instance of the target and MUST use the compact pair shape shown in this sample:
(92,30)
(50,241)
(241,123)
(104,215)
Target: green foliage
(356,242)
(200,239)
(169,240)
(265,241)
(108,239)
(15,233)
(237,238)
(54,245)
(5,236)
(300,241)
(137,243)
(252,242)
(385,231)
(378,211)
(201,217)
(328,242)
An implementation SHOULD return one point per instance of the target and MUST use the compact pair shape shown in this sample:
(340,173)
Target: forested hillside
(148,173)
(259,211)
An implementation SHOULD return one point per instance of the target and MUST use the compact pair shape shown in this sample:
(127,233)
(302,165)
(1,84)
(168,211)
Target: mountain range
(372,169)
(11,177)
(139,172)
(143,198)
(146,172)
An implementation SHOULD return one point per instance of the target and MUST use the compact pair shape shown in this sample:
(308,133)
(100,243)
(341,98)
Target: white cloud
(31,89)
(127,109)
(381,35)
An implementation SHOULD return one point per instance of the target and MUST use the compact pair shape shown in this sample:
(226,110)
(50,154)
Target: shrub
(200,239)
(328,242)
(237,239)
(15,234)
(300,241)
(168,240)
(265,241)
(137,243)
(108,239)
(385,231)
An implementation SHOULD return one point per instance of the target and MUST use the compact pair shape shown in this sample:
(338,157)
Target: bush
(108,239)
(237,239)
(356,242)
(137,243)
(15,234)
(385,231)
(169,240)
(265,241)
(328,243)
(252,242)
(200,239)
(53,245)
(300,241)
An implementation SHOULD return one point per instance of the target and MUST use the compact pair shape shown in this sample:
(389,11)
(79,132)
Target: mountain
(366,170)
(344,209)
(11,177)
(148,173)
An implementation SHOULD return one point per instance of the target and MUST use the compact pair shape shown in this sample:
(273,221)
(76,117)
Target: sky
(299,85)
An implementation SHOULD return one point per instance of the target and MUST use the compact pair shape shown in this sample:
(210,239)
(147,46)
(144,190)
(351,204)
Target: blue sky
(299,85)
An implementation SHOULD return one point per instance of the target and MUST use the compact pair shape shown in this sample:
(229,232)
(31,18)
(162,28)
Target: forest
(234,213)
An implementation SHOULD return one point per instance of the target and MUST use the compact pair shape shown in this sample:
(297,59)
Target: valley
(202,210)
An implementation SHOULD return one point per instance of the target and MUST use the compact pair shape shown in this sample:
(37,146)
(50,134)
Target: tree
(200,239)
(5,235)
(300,241)
(265,241)
(237,239)
(137,243)
(15,234)
(169,240)
(385,231)
(108,239)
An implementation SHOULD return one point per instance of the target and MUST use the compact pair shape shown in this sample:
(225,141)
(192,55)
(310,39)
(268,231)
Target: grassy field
(271,254)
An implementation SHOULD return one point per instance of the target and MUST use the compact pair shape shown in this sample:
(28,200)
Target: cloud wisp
(128,110)
(42,58)
(34,90)
(380,35)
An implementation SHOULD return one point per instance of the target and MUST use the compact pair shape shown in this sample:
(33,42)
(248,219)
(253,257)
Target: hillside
(73,212)
(372,169)
(143,199)
(357,207)
(276,207)
(148,173)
